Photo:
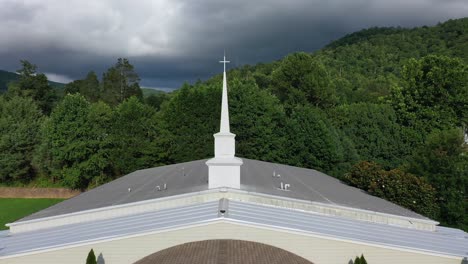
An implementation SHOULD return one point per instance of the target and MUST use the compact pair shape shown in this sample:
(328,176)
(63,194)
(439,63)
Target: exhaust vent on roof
(284,186)
(158,187)
(276,175)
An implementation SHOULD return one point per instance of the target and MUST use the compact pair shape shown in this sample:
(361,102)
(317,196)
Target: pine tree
(91,259)
(35,85)
(357,260)
(363,260)
(120,82)
(20,121)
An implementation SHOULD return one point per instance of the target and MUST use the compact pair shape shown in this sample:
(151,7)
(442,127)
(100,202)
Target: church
(229,210)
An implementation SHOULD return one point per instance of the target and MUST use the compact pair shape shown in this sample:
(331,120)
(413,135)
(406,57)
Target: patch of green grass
(12,209)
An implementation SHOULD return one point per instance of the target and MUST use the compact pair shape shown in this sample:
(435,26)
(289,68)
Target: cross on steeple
(224,61)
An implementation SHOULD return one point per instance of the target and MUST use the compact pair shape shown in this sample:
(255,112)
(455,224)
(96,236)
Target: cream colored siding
(316,249)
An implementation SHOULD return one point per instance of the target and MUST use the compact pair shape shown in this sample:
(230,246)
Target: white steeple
(224,168)
(224,127)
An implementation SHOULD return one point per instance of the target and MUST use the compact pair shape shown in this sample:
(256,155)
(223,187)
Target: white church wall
(320,250)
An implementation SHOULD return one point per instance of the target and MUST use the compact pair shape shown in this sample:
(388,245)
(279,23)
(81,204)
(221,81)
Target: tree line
(383,109)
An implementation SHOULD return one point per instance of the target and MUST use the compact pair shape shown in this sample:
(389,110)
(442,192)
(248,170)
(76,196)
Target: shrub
(91,259)
(402,188)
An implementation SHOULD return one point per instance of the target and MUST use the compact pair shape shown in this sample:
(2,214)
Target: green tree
(137,137)
(88,87)
(35,85)
(91,259)
(375,132)
(97,165)
(434,95)
(443,161)
(156,100)
(20,120)
(257,119)
(300,79)
(73,87)
(120,82)
(313,141)
(357,260)
(75,145)
(363,260)
(190,139)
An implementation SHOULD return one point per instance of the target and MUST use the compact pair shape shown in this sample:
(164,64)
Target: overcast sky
(172,41)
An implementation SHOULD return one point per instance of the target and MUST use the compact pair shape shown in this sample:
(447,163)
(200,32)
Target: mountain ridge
(6,77)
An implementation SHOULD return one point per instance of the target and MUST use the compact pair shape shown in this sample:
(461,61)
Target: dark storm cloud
(170,42)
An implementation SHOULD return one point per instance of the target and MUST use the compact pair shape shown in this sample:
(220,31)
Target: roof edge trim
(204,196)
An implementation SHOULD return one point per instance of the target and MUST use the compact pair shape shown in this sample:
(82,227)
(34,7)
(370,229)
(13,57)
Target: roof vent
(129,189)
(158,187)
(284,186)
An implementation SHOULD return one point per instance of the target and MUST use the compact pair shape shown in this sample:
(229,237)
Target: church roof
(225,251)
(445,241)
(256,177)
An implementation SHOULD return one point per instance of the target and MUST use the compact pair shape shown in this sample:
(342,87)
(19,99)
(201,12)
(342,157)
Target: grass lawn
(12,209)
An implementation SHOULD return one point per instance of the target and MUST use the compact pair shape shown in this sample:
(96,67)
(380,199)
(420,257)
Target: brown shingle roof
(223,251)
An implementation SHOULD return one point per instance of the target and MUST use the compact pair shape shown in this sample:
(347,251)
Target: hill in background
(6,77)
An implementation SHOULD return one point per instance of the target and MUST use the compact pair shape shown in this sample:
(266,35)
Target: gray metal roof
(110,228)
(445,241)
(256,176)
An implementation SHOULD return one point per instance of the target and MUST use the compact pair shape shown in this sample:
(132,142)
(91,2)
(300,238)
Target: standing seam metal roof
(443,241)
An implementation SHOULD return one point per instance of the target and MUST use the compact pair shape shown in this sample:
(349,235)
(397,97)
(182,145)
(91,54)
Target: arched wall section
(226,251)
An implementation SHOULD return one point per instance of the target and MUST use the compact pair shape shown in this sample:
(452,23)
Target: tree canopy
(383,109)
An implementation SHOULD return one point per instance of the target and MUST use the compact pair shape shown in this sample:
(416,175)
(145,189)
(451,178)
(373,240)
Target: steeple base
(224,172)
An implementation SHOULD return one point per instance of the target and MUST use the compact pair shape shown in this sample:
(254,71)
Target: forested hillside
(6,78)
(383,109)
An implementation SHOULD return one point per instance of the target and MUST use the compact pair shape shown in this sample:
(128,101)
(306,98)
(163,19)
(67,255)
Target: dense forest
(382,109)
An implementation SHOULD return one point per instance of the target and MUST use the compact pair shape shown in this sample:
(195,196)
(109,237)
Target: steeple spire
(224,168)
(224,127)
